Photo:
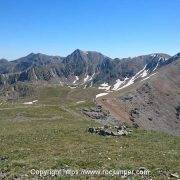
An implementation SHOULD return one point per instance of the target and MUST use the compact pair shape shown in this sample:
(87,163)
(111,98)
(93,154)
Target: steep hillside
(153,102)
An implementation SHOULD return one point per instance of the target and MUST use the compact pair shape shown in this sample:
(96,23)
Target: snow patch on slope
(125,83)
(131,81)
(76,79)
(101,94)
(144,74)
(86,78)
(30,103)
(104,86)
(148,77)
(91,84)
(78,102)
(91,78)
(85,86)
(141,73)
(159,57)
(117,84)
(72,87)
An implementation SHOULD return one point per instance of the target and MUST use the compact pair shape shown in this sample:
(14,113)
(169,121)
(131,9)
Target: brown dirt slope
(152,104)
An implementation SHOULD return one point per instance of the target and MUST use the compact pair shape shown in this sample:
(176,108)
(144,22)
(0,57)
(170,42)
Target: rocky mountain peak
(91,65)
(177,55)
(3,60)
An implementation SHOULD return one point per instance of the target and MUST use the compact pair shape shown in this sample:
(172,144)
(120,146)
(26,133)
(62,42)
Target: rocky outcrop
(117,131)
(96,112)
(100,115)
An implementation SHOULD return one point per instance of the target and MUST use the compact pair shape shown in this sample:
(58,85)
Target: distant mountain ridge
(87,68)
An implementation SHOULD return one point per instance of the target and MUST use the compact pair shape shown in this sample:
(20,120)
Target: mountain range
(88,68)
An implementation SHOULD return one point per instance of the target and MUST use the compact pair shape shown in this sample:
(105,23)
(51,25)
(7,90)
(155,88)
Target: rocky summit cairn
(110,131)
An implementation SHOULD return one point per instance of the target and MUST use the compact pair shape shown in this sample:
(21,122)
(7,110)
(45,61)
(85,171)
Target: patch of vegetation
(54,136)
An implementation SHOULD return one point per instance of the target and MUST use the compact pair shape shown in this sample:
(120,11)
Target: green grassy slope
(52,135)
